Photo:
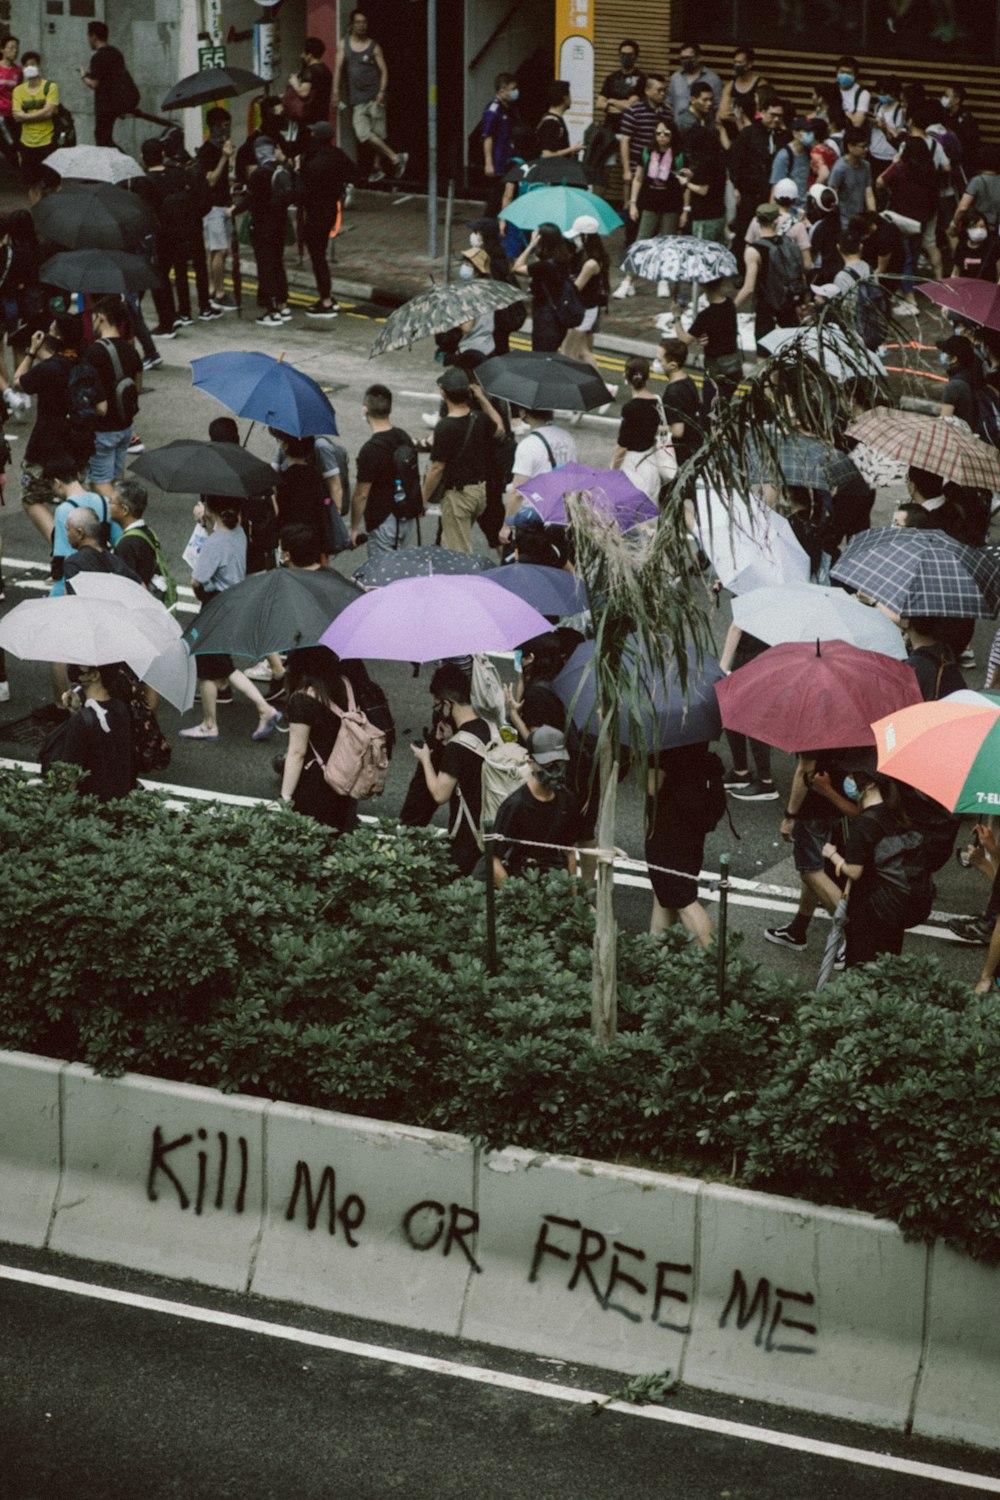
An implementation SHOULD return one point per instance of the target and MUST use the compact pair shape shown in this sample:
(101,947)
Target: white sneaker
(430,419)
(260,673)
(663,289)
(623,290)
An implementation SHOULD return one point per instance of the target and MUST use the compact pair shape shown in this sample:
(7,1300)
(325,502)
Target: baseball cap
(585,224)
(767,212)
(524,519)
(786,191)
(958,345)
(801,122)
(321,131)
(454,380)
(547,745)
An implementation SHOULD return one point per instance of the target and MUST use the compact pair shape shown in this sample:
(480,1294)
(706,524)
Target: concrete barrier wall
(742,1293)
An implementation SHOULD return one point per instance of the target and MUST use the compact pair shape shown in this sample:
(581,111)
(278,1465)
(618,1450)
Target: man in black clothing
(300,491)
(460,778)
(375,483)
(118,369)
(551,136)
(622,88)
(680,399)
(44,372)
(313,83)
(751,157)
(460,457)
(964,124)
(115,92)
(540,812)
(137,545)
(180,240)
(324,172)
(932,659)
(83,531)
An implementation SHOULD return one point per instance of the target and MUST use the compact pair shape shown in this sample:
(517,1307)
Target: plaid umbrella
(94,164)
(679,257)
(929,443)
(921,573)
(977,301)
(441,308)
(949,749)
(419,562)
(802,460)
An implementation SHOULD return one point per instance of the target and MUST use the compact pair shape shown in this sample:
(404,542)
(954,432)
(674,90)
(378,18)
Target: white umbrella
(174,675)
(87,632)
(811,612)
(750,545)
(838,357)
(172,672)
(94,164)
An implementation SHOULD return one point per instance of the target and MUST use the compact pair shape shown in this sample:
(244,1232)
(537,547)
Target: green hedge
(249,950)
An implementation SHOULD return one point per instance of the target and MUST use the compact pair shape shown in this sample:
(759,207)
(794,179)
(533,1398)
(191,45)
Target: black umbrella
(543,382)
(560,171)
(98,271)
(276,611)
(95,216)
(189,466)
(212,84)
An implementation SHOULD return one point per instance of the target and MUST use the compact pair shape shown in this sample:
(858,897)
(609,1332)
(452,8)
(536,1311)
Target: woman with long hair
(318,686)
(643,419)
(656,199)
(591,281)
(548,261)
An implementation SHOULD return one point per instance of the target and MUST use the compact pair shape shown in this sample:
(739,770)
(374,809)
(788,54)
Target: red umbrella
(979,301)
(825,696)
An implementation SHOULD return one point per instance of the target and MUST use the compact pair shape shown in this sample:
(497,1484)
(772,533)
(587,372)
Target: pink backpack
(359,761)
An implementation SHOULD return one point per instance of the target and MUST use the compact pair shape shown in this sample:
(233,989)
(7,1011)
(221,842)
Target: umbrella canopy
(266,390)
(875,469)
(921,573)
(89,632)
(99,271)
(949,749)
(939,446)
(810,612)
(750,545)
(977,301)
(801,460)
(552,591)
(188,466)
(828,346)
(93,217)
(420,562)
(441,308)
(561,206)
(423,619)
(679,257)
(212,84)
(564,171)
(670,716)
(542,382)
(819,696)
(606,490)
(94,164)
(275,611)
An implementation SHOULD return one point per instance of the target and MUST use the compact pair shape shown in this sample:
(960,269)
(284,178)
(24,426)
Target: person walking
(656,198)
(373,501)
(500,117)
(460,458)
(115,93)
(541,812)
(10,77)
(548,261)
(324,172)
(367,87)
(317,695)
(675,840)
(118,371)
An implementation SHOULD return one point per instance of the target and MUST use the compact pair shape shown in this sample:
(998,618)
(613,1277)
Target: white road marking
(524,1385)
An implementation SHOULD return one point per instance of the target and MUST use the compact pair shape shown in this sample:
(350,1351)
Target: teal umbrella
(562,206)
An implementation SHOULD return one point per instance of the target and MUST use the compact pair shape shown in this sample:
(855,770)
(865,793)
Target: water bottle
(398,494)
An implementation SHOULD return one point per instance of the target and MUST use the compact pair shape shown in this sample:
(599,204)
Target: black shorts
(682,850)
(213,666)
(32,158)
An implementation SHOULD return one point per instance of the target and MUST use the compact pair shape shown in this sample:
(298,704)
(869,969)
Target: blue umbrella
(671,716)
(552,591)
(266,390)
(562,206)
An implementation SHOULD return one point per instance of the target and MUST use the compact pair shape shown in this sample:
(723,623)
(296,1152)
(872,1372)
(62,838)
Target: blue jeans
(108,460)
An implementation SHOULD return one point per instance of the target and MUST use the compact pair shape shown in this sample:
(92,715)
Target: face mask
(32,72)
(466,273)
(845,80)
(976,236)
(851,788)
(658,367)
(518,662)
(944,359)
(945,102)
(476,240)
(628,63)
(514,95)
(689,65)
(807,137)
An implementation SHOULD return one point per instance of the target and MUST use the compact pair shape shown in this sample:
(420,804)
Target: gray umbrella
(441,308)
(835,937)
(420,562)
(671,716)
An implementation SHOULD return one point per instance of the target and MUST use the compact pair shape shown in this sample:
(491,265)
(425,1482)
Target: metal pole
(723,919)
(491,902)
(432,150)
(449,210)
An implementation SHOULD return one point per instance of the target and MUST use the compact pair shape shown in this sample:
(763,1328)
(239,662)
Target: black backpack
(83,393)
(712,800)
(903,892)
(127,94)
(286,189)
(871,310)
(784,273)
(408,499)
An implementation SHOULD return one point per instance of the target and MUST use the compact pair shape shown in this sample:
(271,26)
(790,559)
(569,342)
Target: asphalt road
(103,1400)
(337,355)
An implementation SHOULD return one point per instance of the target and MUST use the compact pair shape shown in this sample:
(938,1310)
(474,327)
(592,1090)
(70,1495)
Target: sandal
(266,727)
(199,732)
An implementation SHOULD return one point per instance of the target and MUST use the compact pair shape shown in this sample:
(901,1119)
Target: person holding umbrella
(675,839)
(97,736)
(591,282)
(548,261)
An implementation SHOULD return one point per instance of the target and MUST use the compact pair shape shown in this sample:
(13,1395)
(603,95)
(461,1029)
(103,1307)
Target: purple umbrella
(606,490)
(422,619)
(552,591)
(978,301)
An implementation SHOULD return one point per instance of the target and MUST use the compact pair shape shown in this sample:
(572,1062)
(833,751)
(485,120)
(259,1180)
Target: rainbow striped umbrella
(948,749)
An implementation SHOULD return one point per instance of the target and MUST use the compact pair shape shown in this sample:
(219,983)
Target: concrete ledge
(959,1395)
(29,1144)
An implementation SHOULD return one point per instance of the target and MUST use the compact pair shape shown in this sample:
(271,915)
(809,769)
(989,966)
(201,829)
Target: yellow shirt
(27,99)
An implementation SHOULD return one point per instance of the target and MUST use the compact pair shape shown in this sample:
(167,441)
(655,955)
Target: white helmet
(823,197)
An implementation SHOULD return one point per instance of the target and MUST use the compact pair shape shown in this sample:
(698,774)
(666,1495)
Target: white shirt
(530,457)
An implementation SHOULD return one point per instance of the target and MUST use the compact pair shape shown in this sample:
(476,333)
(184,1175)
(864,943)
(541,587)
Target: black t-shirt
(48,380)
(137,553)
(107,68)
(681,403)
(107,755)
(551,134)
(542,705)
(978,261)
(93,560)
(323,174)
(317,106)
(639,424)
(467,768)
(98,357)
(717,323)
(463,445)
(217,193)
(885,239)
(301,496)
(312,796)
(619,85)
(958,393)
(708,168)
(926,662)
(522,816)
(376,468)
(866,831)
(820,808)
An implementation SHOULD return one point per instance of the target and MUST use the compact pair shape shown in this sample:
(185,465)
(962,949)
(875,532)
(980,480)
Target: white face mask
(976,236)
(945,102)
(466,272)
(476,240)
(32,72)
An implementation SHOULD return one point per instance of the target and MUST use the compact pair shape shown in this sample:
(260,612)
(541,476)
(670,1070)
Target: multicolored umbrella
(608,491)
(939,446)
(949,749)
(750,546)
(94,164)
(552,591)
(442,308)
(921,573)
(542,382)
(801,459)
(822,696)
(828,346)
(875,469)
(976,301)
(420,562)
(679,257)
(561,206)
(671,716)
(266,390)
(425,619)
(810,612)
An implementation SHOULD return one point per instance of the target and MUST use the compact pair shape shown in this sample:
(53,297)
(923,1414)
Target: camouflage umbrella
(441,308)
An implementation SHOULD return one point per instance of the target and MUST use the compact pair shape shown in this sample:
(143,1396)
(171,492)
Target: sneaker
(663,289)
(285,314)
(399,169)
(4,692)
(152,363)
(975,930)
(260,673)
(736,778)
(377,176)
(756,791)
(164,333)
(906,310)
(271,320)
(784,937)
(967,658)
(275,689)
(624,289)
(320,310)
(208,313)
(182,320)
(136,445)
(223,304)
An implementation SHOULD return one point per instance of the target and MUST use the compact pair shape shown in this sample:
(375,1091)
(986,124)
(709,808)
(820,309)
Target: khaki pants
(459,508)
